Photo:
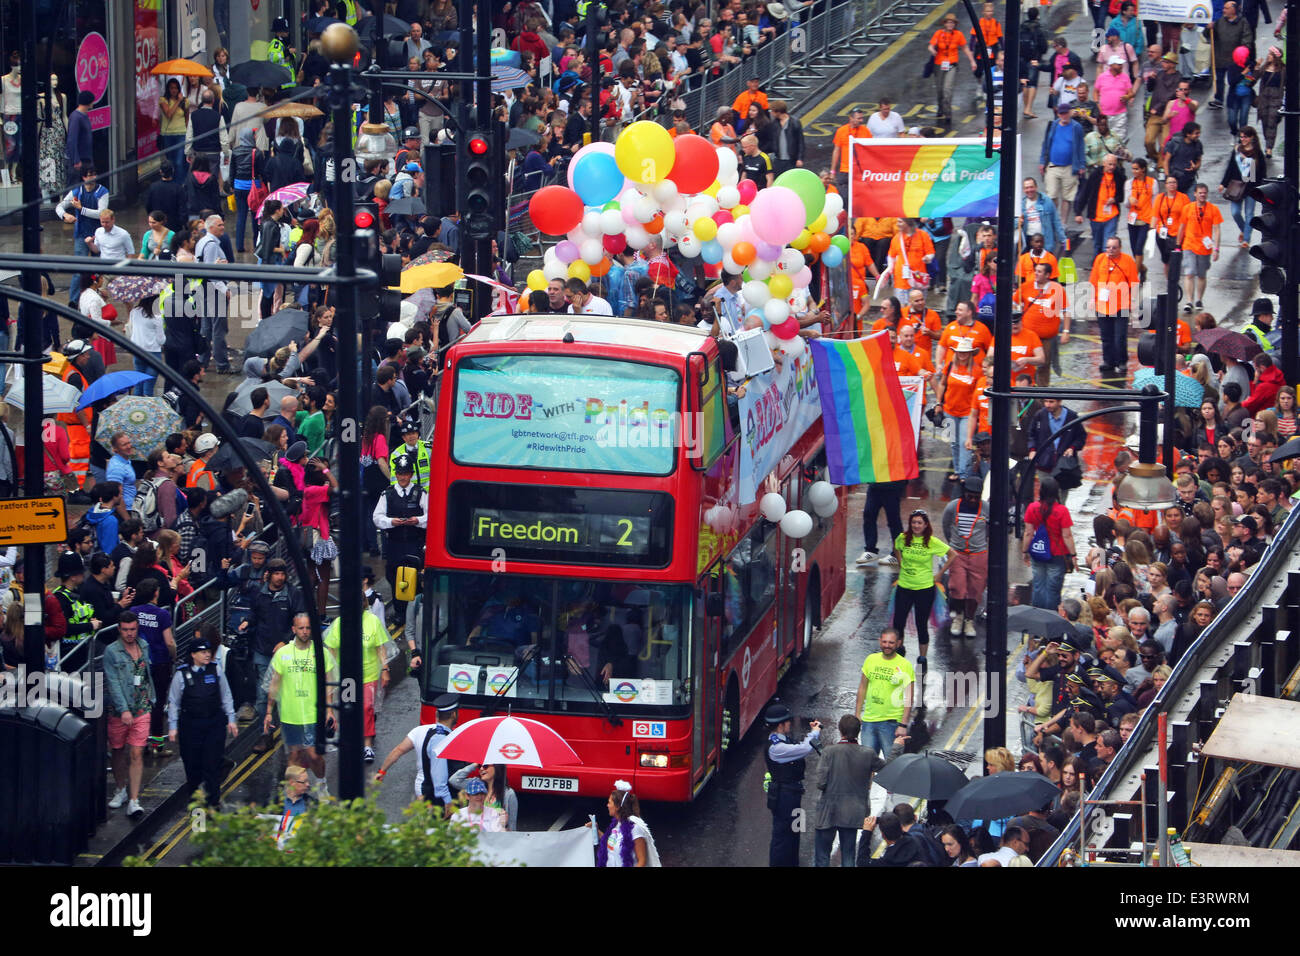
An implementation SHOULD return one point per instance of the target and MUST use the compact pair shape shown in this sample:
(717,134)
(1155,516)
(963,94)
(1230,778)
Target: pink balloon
(607,148)
(723,216)
(787,329)
(566,251)
(802,278)
(766,250)
(748,190)
(1240,56)
(778,215)
(628,216)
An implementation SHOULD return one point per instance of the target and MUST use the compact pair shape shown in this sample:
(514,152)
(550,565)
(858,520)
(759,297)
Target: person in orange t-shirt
(877,233)
(904,361)
(965,326)
(1099,198)
(1044,303)
(1138,196)
(1036,253)
(946,45)
(910,253)
(1027,352)
(1114,279)
(992,30)
(751,94)
(860,265)
(925,320)
(979,415)
(1167,216)
(956,392)
(1198,237)
(1184,333)
(855,128)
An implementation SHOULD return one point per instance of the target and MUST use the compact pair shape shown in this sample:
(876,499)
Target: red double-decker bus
(589,560)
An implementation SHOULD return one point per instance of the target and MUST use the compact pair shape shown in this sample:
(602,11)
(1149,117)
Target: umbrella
(506,78)
(147,420)
(276,331)
(1039,621)
(406,206)
(110,384)
(922,775)
(318,24)
(305,110)
(1289,449)
(522,137)
(226,460)
(437,255)
(389,26)
(1000,796)
(242,405)
(180,68)
(432,276)
(1187,390)
(262,74)
(57,396)
(134,288)
(1228,344)
(288,195)
(424,301)
(514,741)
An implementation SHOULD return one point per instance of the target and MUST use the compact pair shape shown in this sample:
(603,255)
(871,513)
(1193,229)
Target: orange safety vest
(197,469)
(78,434)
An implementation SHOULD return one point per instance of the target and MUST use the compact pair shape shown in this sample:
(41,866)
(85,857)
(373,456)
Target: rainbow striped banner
(923,178)
(869,436)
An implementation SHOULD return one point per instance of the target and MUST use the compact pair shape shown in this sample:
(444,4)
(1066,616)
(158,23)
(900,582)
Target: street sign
(32,521)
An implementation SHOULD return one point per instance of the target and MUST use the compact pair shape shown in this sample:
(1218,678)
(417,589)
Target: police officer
(1261,323)
(785,769)
(402,512)
(432,773)
(279,52)
(1116,701)
(414,449)
(201,711)
(79,614)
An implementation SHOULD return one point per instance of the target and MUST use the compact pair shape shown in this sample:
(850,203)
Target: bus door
(707,642)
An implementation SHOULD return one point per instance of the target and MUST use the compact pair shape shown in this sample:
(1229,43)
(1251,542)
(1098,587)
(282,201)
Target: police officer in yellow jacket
(279,52)
(1261,323)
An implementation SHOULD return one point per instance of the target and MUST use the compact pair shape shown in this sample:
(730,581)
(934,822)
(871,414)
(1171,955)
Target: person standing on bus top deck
(786,763)
(431,773)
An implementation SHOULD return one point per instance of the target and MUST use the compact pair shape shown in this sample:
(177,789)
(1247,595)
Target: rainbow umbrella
(288,195)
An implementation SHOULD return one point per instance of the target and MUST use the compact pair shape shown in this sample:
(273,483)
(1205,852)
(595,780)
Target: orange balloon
(819,242)
(601,267)
(743,252)
(655,225)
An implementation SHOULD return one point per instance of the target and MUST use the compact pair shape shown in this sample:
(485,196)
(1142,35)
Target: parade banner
(1178,11)
(777,408)
(922,178)
(914,393)
(574,847)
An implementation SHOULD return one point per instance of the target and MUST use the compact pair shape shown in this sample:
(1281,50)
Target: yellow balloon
(705,229)
(579,270)
(818,224)
(801,241)
(537,280)
(713,190)
(738,211)
(644,153)
(780,286)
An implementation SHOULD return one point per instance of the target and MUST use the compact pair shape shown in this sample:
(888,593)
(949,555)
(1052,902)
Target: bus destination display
(556,531)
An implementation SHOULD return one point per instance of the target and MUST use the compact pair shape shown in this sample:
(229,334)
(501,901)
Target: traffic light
(479,222)
(379,305)
(1277,214)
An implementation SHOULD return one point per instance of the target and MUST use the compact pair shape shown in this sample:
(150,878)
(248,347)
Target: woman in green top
(916,548)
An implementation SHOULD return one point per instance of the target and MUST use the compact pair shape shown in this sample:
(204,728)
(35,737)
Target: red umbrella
(1228,343)
(514,741)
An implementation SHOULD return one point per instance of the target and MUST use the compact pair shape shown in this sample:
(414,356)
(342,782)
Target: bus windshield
(566,413)
(550,642)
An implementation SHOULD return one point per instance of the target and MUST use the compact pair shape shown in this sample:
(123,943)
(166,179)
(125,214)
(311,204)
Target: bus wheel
(730,738)
(811,612)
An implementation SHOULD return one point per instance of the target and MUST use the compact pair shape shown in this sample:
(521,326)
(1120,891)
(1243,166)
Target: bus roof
(597,329)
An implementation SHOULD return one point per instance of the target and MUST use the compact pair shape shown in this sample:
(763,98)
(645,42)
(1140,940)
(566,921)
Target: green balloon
(808,187)
(841,243)
(612,204)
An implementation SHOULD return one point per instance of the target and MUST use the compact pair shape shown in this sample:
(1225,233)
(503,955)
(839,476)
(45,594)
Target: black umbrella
(262,74)
(1036,620)
(389,26)
(1000,796)
(226,460)
(243,403)
(276,331)
(1289,449)
(406,206)
(922,775)
(522,137)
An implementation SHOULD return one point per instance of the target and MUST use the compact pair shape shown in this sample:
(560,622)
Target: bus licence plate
(566,784)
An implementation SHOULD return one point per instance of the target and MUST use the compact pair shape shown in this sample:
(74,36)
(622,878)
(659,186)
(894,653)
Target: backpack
(1040,546)
(931,851)
(145,505)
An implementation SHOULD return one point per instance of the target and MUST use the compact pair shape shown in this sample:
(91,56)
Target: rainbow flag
(926,178)
(869,434)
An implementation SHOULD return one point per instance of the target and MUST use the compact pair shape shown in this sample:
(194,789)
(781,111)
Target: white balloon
(731,265)
(665,192)
(689,246)
(728,233)
(675,222)
(644,209)
(761,269)
(701,206)
(776,311)
(728,177)
(550,255)
(833,206)
(728,197)
(796,524)
(591,223)
(773,506)
(592,251)
(555,270)
(636,237)
(825,511)
(726,158)
(576,235)
(791,261)
(755,293)
(611,222)
(793,348)
(821,493)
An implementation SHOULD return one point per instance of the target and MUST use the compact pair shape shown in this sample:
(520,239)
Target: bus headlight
(654,760)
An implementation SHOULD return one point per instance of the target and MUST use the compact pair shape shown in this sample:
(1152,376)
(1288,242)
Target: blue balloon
(597,179)
(711,252)
(832,257)
(761,317)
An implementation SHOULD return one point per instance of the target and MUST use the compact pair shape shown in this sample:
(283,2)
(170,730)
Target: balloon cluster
(796,524)
(690,194)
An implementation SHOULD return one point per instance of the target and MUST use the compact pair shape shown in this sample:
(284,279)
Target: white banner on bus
(777,409)
(1178,11)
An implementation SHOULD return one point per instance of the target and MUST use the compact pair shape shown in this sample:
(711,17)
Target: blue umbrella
(1187,390)
(110,384)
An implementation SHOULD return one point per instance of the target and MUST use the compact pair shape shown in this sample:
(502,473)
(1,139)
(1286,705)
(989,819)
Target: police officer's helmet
(281,25)
(410,425)
(777,713)
(404,466)
(70,564)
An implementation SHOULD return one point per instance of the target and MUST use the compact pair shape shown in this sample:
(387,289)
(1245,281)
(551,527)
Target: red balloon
(743,253)
(787,329)
(748,190)
(615,244)
(723,216)
(555,210)
(696,165)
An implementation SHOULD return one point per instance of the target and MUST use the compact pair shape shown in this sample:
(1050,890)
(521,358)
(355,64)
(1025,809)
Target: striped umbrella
(506,78)
(288,195)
